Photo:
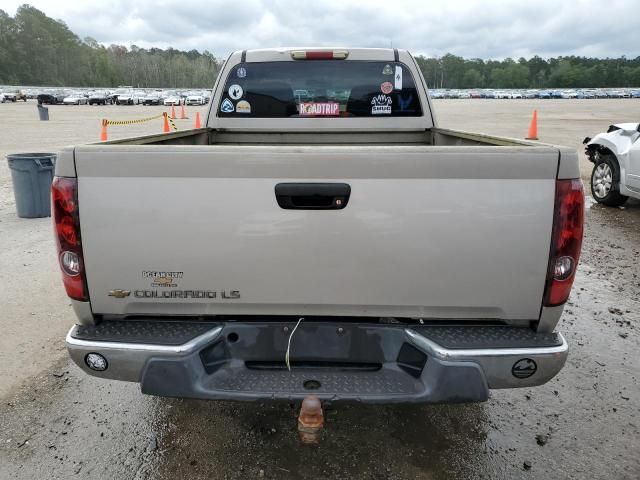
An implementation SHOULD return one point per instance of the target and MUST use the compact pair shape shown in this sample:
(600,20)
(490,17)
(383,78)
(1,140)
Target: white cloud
(470,28)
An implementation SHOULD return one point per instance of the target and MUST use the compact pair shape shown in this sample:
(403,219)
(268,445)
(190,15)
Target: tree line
(451,71)
(38,50)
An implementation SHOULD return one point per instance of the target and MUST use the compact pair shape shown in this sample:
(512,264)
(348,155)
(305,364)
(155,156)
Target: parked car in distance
(153,98)
(194,99)
(9,96)
(75,98)
(615,155)
(51,97)
(502,94)
(99,97)
(14,95)
(125,96)
(172,98)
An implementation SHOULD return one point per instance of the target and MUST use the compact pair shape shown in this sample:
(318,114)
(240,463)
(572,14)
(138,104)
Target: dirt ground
(56,422)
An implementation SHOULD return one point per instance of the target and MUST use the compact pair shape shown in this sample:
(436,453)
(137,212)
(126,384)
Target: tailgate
(431,232)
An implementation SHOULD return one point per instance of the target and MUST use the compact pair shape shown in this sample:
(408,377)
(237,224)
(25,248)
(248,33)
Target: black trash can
(32,174)
(43,112)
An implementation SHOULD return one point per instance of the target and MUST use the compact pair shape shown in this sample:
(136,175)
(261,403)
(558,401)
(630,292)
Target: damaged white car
(616,164)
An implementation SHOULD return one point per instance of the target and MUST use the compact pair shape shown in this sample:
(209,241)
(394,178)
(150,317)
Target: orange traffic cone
(103,131)
(165,127)
(533,128)
(198,120)
(173,112)
(183,116)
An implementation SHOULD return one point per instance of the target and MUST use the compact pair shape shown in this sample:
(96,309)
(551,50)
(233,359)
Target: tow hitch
(310,420)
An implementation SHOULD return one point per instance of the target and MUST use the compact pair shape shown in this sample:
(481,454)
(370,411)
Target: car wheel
(605,182)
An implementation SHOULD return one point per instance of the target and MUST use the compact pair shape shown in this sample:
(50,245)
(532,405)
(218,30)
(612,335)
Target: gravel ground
(59,423)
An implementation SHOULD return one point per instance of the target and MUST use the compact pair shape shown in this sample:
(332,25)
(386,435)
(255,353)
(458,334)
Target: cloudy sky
(470,28)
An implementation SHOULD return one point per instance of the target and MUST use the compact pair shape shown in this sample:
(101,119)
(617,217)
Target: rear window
(320,88)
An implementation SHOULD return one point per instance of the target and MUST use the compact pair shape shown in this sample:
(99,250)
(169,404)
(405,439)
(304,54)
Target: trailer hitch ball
(310,420)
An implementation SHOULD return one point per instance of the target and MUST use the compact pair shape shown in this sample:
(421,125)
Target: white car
(502,95)
(128,97)
(516,95)
(616,164)
(172,99)
(75,98)
(194,100)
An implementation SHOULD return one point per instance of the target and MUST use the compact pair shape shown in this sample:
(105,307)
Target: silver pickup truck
(321,234)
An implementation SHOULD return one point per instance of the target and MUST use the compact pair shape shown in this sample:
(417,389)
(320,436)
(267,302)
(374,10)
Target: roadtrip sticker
(235,92)
(386,88)
(227,106)
(381,105)
(243,107)
(325,109)
(241,72)
(387,70)
(398,78)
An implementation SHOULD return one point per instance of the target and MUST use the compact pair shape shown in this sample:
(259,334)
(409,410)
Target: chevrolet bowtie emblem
(119,293)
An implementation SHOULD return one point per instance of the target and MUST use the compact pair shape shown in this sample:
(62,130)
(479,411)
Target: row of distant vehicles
(119,96)
(544,94)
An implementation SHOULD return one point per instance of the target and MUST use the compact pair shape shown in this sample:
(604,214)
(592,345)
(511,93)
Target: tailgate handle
(312,196)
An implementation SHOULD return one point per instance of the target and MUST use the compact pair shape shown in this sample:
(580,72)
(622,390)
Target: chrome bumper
(127,360)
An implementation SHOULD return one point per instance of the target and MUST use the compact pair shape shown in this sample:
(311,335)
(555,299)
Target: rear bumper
(368,363)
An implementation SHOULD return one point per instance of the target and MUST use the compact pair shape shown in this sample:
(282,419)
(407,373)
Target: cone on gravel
(173,112)
(183,115)
(165,127)
(103,131)
(533,128)
(198,120)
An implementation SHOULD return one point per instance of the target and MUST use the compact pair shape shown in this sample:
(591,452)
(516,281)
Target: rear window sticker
(235,92)
(381,105)
(404,102)
(387,70)
(227,106)
(386,88)
(243,107)
(241,72)
(323,109)
(398,78)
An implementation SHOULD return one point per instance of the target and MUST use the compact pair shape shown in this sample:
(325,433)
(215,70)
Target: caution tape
(173,125)
(132,122)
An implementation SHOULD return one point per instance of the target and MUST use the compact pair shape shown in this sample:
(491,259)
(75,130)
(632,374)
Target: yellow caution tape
(131,122)
(173,125)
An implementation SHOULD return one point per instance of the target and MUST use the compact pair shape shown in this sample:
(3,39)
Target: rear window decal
(243,107)
(381,105)
(387,70)
(227,106)
(241,72)
(398,78)
(404,103)
(319,109)
(235,92)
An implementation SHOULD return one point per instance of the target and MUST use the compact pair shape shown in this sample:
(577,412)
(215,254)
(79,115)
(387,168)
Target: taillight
(566,241)
(64,206)
(319,54)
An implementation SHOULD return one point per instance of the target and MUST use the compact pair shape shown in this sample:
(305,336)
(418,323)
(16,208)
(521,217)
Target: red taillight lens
(566,242)
(64,206)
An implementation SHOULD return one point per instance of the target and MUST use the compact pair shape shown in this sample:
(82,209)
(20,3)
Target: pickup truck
(338,243)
